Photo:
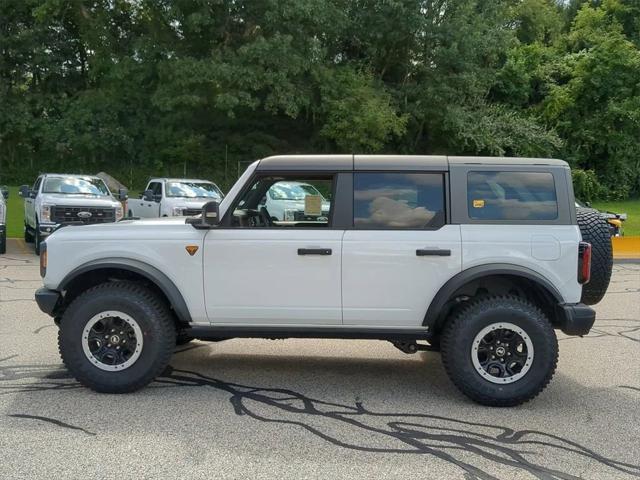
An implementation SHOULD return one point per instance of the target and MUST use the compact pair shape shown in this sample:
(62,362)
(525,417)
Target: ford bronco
(478,258)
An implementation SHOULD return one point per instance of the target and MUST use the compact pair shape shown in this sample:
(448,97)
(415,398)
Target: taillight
(584,262)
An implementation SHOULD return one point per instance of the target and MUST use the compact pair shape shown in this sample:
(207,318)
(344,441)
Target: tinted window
(398,200)
(511,196)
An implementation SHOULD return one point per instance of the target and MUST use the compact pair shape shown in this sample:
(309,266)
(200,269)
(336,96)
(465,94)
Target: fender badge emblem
(191,249)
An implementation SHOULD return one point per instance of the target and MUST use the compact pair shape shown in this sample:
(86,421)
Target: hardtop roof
(390,162)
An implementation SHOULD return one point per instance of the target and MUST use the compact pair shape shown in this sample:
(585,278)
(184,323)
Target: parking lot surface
(314,408)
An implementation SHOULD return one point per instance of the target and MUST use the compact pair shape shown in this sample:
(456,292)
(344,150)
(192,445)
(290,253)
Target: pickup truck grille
(70,214)
(190,212)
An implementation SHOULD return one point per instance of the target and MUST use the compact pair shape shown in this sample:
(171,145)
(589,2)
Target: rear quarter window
(511,196)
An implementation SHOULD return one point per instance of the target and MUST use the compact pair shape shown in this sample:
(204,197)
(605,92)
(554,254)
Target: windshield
(292,191)
(75,186)
(193,190)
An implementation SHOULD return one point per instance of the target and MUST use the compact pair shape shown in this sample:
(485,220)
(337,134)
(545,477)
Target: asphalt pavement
(314,408)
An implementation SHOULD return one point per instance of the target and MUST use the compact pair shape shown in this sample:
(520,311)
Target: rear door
(400,251)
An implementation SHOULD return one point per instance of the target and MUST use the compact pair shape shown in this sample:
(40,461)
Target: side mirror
(210,217)
(5,192)
(148,196)
(24,191)
(123,194)
(211,213)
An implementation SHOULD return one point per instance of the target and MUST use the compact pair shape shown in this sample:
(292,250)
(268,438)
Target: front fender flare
(438,303)
(164,283)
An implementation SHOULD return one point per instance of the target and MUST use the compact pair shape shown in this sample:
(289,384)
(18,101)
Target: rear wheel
(595,230)
(116,337)
(499,351)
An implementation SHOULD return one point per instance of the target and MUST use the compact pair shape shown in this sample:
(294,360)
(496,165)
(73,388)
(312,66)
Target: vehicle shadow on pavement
(477,448)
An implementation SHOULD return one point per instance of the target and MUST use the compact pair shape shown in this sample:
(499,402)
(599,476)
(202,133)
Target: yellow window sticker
(478,203)
(313,205)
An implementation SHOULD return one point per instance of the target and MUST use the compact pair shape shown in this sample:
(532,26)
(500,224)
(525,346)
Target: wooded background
(142,87)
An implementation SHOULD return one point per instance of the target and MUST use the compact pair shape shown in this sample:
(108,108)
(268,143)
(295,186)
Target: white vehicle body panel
(255,276)
(159,243)
(385,283)
(520,245)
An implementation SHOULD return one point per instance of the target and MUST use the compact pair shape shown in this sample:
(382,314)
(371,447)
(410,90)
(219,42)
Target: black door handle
(438,252)
(314,251)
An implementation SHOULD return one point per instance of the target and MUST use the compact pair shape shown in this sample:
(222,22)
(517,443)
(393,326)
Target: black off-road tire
(146,308)
(457,343)
(595,230)
(28,236)
(37,240)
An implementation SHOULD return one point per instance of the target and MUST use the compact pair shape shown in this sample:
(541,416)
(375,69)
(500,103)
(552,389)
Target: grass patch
(631,226)
(15,214)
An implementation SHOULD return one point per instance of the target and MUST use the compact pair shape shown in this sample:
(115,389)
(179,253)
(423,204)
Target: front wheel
(116,337)
(28,236)
(499,351)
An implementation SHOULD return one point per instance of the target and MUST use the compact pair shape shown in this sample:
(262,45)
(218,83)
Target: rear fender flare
(435,310)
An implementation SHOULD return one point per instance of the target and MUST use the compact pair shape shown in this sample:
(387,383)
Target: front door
(400,250)
(268,269)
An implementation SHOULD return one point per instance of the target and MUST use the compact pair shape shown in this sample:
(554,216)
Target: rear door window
(398,201)
(511,196)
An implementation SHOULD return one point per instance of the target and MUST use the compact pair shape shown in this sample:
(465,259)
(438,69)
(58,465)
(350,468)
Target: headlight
(45,213)
(119,213)
(177,211)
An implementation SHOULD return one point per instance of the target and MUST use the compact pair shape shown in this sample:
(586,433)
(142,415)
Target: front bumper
(48,300)
(576,319)
(47,229)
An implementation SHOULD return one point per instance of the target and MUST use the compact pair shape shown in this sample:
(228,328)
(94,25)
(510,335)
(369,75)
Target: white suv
(479,258)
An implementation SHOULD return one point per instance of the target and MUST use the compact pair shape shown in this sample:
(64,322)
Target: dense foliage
(203,86)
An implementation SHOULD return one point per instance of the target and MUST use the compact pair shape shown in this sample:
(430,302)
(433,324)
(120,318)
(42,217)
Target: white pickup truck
(173,197)
(59,199)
